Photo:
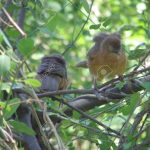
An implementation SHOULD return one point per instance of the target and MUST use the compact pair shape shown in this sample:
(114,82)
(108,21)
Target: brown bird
(52,73)
(106,58)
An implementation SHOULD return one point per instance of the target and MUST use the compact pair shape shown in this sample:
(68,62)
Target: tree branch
(73,42)
(138,119)
(13,22)
(146,143)
(90,91)
(21,15)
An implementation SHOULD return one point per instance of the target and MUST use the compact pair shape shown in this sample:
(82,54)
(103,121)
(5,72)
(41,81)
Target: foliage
(67,27)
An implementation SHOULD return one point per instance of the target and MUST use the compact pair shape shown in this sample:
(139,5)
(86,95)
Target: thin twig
(137,120)
(96,130)
(78,91)
(60,143)
(82,12)
(89,91)
(146,143)
(73,42)
(8,3)
(131,113)
(5,145)
(5,22)
(14,23)
(44,137)
(87,116)
(49,122)
(143,59)
(122,141)
(143,123)
(22,14)
(140,132)
(131,74)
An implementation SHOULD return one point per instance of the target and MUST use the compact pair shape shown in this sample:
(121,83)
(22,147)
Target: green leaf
(86,5)
(52,24)
(21,127)
(11,107)
(31,75)
(134,99)
(107,22)
(4,64)
(76,115)
(12,33)
(95,26)
(33,82)
(127,146)
(5,38)
(1,38)
(25,46)
(126,110)
(1,5)
(56,21)
(21,149)
(5,87)
(120,85)
(138,53)
(2,104)
(126,28)
(105,142)
(66,122)
(146,85)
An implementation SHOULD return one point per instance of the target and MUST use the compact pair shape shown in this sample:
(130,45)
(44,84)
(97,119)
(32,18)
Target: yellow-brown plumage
(106,58)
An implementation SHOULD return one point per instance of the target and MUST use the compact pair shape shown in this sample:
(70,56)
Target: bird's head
(112,43)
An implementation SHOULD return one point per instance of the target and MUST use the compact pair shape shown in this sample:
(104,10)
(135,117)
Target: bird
(106,58)
(52,73)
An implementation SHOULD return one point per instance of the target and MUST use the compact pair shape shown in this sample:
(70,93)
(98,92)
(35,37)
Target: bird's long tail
(82,64)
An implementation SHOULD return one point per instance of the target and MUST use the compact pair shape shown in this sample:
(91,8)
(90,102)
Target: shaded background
(61,26)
